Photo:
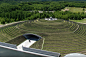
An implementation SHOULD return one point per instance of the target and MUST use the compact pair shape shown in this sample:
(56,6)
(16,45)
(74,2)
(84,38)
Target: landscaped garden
(58,36)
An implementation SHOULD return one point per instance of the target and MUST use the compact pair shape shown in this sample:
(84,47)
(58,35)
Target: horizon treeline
(30,10)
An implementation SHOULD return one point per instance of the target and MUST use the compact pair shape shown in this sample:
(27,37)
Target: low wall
(42,52)
(8,45)
(30,50)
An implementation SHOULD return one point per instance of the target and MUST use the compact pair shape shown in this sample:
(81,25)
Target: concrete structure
(23,49)
(12,50)
(30,36)
(42,52)
(42,11)
(31,39)
(25,44)
(75,55)
(50,18)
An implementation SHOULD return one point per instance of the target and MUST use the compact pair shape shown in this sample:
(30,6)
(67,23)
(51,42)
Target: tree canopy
(30,10)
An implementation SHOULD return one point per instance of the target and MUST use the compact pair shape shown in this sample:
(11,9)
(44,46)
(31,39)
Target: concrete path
(25,44)
(1,25)
(11,23)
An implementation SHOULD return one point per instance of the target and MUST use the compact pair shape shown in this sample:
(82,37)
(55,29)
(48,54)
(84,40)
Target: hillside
(58,36)
(41,0)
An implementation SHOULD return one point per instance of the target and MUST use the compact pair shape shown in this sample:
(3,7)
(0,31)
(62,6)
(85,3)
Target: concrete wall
(42,52)
(8,45)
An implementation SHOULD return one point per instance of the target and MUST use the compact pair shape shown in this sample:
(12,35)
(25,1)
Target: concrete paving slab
(25,44)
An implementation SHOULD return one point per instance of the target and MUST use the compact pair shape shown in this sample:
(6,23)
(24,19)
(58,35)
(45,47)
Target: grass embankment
(79,21)
(18,40)
(9,33)
(75,9)
(38,44)
(59,35)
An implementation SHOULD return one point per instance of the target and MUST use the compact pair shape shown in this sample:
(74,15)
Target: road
(12,23)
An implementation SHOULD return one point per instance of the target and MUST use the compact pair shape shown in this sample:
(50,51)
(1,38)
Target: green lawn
(75,9)
(79,21)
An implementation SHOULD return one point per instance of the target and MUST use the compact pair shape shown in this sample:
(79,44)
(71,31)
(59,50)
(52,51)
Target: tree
(83,9)
(2,21)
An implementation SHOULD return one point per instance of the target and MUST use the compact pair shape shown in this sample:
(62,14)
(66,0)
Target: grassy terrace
(58,36)
(11,34)
(80,21)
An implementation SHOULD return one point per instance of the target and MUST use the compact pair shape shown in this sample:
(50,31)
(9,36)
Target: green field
(79,21)
(58,36)
(75,9)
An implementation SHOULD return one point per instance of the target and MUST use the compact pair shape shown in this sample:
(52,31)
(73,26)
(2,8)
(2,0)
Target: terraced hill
(58,36)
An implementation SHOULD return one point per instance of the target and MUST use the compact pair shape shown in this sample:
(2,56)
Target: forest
(17,11)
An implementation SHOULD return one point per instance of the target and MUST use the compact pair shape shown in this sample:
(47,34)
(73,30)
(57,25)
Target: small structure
(50,18)
(65,10)
(32,36)
(75,55)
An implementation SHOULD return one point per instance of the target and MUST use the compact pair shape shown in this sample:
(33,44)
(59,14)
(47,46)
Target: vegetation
(60,36)
(31,10)
(79,21)
(38,44)
(18,40)
(75,9)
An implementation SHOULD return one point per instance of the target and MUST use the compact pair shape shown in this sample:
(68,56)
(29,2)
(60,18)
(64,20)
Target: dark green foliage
(2,21)
(30,10)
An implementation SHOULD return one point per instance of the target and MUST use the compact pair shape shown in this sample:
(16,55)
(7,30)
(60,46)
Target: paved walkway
(26,44)
(11,23)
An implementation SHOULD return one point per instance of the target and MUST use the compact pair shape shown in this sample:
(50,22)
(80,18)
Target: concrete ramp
(25,44)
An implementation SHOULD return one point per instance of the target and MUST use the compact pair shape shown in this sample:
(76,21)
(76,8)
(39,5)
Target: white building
(50,18)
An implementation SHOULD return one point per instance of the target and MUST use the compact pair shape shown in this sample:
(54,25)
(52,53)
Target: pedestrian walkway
(26,43)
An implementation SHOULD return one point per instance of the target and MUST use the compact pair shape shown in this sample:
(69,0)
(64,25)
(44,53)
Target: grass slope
(18,40)
(79,21)
(60,36)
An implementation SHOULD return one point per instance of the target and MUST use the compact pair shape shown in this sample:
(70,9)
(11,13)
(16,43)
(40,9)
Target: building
(50,18)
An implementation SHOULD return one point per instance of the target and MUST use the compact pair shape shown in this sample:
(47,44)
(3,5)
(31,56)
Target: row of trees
(44,6)
(22,11)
